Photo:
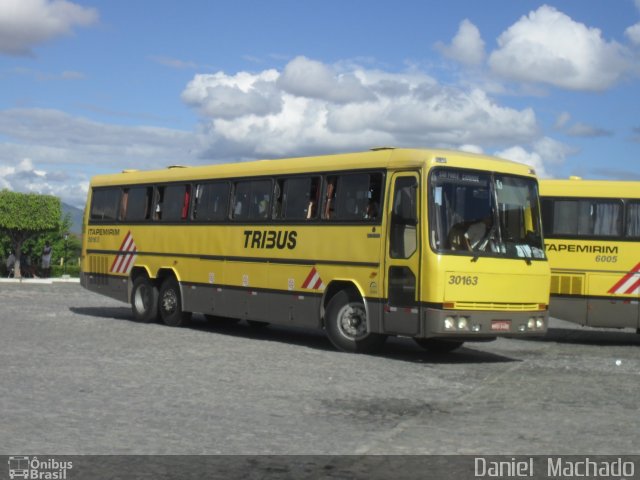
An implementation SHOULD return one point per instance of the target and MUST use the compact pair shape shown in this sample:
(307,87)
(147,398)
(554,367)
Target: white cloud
(68,150)
(24,177)
(27,23)
(466,47)
(549,47)
(222,96)
(326,108)
(258,115)
(519,154)
(544,153)
(303,77)
(633,33)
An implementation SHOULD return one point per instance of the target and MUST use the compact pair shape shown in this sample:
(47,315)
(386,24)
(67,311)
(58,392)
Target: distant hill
(76,217)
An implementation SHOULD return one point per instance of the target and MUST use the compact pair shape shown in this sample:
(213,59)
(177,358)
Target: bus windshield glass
(490,214)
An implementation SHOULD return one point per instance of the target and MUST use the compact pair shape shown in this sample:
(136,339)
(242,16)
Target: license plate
(501,325)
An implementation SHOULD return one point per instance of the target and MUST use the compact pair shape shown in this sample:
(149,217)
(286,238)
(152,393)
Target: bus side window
(299,198)
(138,203)
(633,220)
(175,203)
(358,196)
(585,217)
(251,200)
(211,202)
(104,203)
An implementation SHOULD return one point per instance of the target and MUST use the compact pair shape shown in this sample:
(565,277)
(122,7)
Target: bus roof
(577,187)
(376,158)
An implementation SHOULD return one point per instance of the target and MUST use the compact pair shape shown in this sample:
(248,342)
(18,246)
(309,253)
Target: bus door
(402,257)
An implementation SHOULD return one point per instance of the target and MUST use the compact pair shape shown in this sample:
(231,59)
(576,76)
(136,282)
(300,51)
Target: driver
(472,235)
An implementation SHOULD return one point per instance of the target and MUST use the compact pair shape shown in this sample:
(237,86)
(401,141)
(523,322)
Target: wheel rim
(352,321)
(169,301)
(142,299)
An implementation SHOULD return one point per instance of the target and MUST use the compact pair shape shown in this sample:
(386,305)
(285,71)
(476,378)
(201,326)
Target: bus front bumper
(482,325)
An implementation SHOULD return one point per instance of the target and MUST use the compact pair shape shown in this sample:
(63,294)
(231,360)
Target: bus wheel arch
(346,319)
(143,296)
(170,300)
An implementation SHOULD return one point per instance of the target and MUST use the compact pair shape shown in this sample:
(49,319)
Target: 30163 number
(469,280)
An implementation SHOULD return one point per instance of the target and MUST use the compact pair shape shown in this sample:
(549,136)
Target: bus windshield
(490,214)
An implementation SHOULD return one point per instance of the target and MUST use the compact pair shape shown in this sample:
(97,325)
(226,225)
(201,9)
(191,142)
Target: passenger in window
(237,211)
(263,207)
(372,210)
(311,210)
(331,191)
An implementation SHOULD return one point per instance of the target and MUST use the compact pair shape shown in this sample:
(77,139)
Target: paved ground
(78,377)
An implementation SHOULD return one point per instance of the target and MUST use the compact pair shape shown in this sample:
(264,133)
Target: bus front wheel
(346,324)
(144,300)
(170,304)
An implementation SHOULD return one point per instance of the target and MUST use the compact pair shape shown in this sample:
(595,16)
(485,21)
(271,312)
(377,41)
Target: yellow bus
(441,246)
(592,237)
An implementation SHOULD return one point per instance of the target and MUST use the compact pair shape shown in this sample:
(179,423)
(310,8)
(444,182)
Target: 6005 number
(463,280)
(607,258)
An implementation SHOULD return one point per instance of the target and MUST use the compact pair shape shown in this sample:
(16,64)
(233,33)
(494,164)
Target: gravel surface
(79,377)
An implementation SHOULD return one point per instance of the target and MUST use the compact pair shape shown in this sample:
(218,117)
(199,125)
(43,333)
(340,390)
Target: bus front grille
(514,307)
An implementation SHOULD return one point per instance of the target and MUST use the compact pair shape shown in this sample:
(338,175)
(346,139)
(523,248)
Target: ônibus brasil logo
(36,469)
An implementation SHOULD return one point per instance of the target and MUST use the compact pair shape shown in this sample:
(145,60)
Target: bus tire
(170,304)
(346,324)
(144,300)
(438,345)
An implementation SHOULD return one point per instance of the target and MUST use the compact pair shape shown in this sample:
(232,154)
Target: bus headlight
(531,324)
(463,323)
(540,323)
(450,323)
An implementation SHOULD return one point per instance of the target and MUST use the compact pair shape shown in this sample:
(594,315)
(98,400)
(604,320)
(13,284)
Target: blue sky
(90,86)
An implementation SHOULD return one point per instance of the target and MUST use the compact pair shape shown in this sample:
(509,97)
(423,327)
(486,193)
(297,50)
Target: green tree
(68,248)
(25,215)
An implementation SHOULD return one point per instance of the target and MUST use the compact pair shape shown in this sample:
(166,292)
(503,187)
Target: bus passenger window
(138,203)
(299,198)
(358,196)
(211,201)
(633,219)
(175,203)
(600,218)
(252,200)
(104,203)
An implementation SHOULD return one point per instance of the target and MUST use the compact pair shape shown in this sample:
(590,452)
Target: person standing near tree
(11,262)
(46,260)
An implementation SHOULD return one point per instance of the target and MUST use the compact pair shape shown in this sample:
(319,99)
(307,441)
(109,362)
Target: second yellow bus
(592,236)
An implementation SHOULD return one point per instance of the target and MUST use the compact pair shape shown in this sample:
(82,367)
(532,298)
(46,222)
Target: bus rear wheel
(144,300)
(438,345)
(170,304)
(346,325)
